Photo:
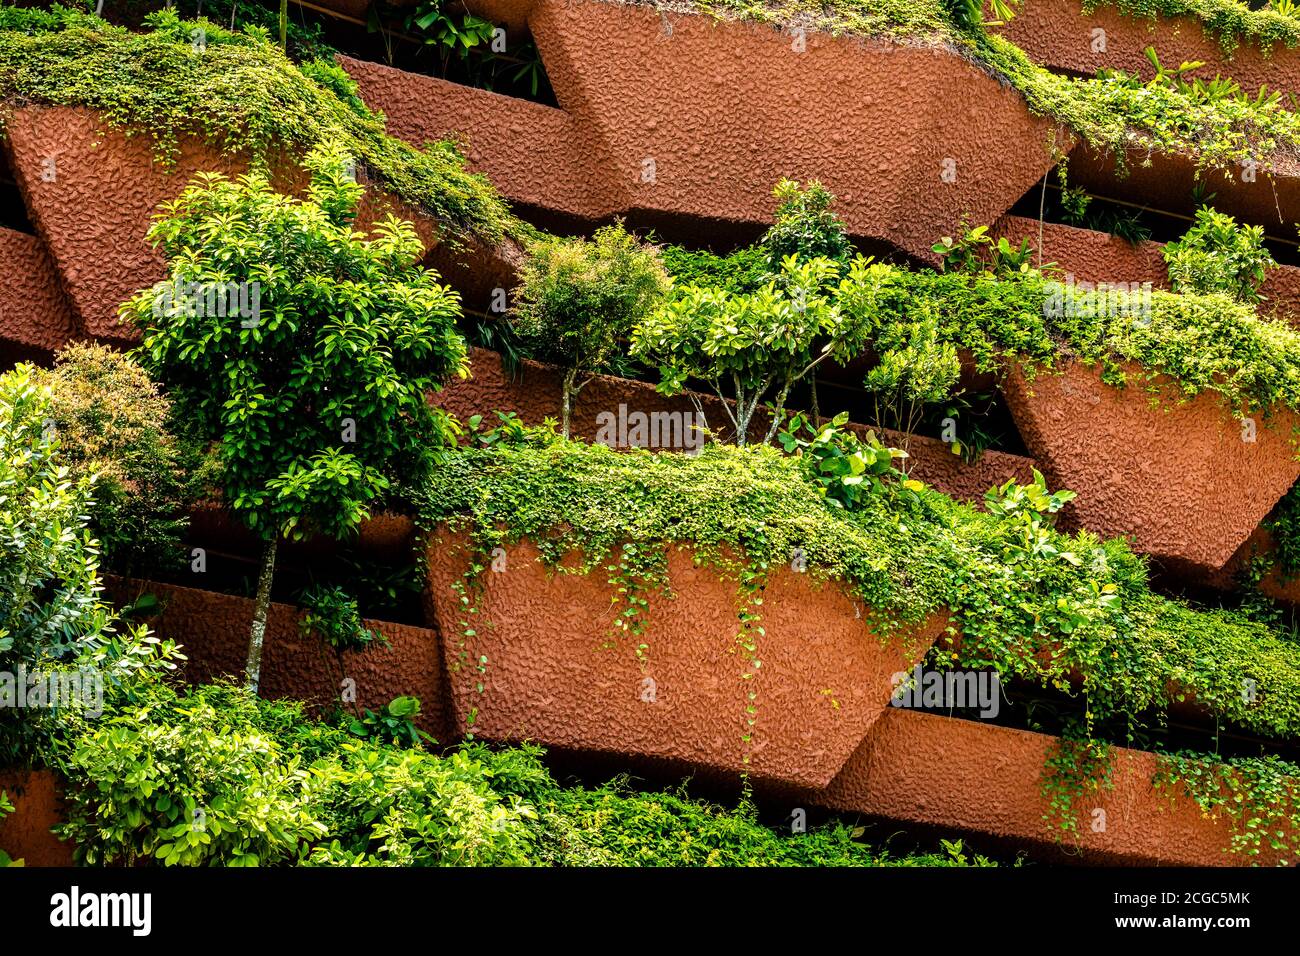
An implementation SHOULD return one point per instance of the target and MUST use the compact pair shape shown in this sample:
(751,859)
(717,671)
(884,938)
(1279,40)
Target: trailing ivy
(241,94)
(1260,797)
(1061,610)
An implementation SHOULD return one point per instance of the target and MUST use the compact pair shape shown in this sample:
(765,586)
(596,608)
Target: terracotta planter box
(1057,33)
(213,631)
(667,115)
(386,536)
(1180,479)
(535,395)
(964,775)
(1261,196)
(34,315)
(1092,256)
(25,834)
(94,204)
(556,676)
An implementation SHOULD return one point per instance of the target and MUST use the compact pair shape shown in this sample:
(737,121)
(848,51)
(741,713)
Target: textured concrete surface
(1179,478)
(1058,34)
(91,193)
(25,834)
(555,673)
(963,775)
(678,114)
(213,631)
(535,395)
(34,313)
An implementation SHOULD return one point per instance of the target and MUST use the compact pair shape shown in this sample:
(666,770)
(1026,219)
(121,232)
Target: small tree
(316,387)
(754,346)
(1218,255)
(578,302)
(804,226)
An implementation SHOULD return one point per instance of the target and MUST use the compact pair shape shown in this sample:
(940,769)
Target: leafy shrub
(754,346)
(848,468)
(331,613)
(190,791)
(393,724)
(113,423)
(1218,255)
(578,301)
(742,272)
(804,227)
(213,776)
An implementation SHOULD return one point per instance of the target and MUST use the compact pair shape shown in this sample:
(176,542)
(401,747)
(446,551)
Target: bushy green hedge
(214,776)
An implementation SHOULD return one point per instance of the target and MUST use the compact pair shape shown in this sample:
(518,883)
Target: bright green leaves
(845,466)
(316,390)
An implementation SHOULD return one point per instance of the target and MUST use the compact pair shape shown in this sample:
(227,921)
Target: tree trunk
(816,411)
(257,632)
(566,400)
(284,25)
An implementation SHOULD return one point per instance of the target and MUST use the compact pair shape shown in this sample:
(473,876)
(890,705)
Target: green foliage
(393,724)
(1074,768)
(578,301)
(6,808)
(49,563)
(974,251)
(319,400)
(241,94)
(741,272)
(1260,796)
(1284,523)
(1229,20)
(1218,255)
(331,613)
(213,776)
(848,468)
(754,346)
(804,226)
(114,424)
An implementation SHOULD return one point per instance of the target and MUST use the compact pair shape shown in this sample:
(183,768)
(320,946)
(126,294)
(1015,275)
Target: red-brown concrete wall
(725,109)
(25,834)
(92,192)
(965,775)
(213,631)
(33,311)
(1177,477)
